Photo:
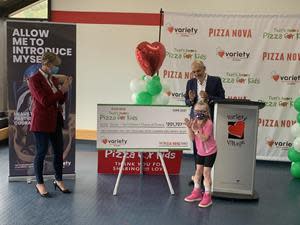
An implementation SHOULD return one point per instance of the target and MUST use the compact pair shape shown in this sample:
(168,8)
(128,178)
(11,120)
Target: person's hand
(192,95)
(67,83)
(196,125)
(188,122)
(70,80)
(203,95)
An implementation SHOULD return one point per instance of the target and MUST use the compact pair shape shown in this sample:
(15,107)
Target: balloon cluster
(148,89)
(294,152)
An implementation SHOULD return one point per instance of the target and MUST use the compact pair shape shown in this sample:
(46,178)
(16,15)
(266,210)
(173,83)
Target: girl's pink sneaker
(196,195)
(206,200)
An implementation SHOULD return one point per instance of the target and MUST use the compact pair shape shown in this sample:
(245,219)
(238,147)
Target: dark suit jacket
(45,110)
(214,89)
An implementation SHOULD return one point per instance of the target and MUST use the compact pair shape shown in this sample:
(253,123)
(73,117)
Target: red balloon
(150,56)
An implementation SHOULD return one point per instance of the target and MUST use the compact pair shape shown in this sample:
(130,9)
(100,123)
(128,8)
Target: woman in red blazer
(48,94)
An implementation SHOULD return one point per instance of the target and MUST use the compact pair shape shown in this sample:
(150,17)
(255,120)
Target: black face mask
(200,116)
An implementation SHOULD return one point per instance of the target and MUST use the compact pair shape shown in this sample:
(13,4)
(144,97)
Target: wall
(106,59)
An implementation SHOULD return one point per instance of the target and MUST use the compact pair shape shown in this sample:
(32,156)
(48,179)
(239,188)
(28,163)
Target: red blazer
(45,103)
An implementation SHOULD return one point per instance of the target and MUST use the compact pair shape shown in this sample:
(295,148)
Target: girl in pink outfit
(200,129)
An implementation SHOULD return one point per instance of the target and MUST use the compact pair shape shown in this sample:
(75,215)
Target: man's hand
(203,95)
(192,95)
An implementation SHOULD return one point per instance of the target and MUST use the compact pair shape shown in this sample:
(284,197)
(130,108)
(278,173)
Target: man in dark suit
(202,87)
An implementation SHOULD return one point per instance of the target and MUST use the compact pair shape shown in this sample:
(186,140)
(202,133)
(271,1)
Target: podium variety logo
(236,129)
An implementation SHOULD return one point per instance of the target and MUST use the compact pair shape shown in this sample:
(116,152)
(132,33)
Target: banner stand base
(224,195)
(30,179)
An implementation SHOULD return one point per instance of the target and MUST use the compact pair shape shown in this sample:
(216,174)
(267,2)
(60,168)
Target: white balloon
(137,85)
(295,130)
(161,99)
(147,78)
(133,97)
(296,144)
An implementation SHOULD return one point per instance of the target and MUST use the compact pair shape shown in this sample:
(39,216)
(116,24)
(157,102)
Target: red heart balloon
(150,56)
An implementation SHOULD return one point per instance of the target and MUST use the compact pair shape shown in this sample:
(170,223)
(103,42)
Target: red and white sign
(109,162)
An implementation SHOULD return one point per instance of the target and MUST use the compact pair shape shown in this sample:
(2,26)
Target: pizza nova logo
(282,33)
(182,31)
(227,33)
(170,74)
(114,142)
(282,145)
(288,79)
(281,56)
(267,122)
(233,55)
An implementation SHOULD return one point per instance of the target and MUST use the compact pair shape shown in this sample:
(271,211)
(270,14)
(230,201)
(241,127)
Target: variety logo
(223,32)
(114,142)
(236,129)
(289,79)
(235,56)
(282,145)
(275,76)
(177,94)
(182,31)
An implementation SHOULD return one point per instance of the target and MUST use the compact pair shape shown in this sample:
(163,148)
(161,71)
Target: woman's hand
(66,85)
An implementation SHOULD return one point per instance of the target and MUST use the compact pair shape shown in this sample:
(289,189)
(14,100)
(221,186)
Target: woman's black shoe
(65,191)
(45,195)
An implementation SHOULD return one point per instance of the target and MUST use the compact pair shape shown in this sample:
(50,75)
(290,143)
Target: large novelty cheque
(142,127)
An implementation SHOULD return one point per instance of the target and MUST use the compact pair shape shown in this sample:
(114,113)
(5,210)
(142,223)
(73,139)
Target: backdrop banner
(257,58)
(26,42)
